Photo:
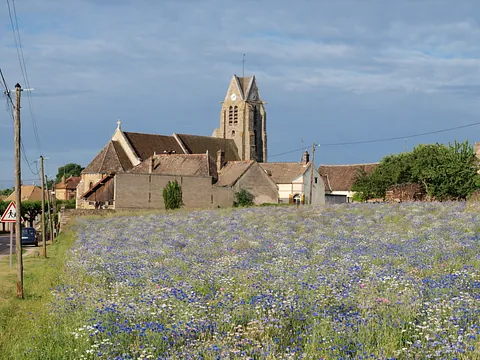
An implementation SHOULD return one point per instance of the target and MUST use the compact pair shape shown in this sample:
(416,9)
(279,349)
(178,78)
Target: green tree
(172,195)
(445,172)
(6,192)
(243,198)
(30,210)
(67,171)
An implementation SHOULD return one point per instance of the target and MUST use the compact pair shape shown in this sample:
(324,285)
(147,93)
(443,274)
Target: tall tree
(68,170)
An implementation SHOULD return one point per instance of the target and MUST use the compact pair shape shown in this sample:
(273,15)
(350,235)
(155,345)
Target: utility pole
(18,192)
(311,173)
(44,241)
(54,208)
(50,226)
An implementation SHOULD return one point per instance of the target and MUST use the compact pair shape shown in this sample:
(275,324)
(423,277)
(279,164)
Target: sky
(332,71)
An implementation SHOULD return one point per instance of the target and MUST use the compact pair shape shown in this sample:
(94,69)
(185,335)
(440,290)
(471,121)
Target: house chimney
(151,165)
(305,158)
(220,159)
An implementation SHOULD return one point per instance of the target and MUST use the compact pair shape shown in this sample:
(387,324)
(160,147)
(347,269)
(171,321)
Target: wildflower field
(366,281)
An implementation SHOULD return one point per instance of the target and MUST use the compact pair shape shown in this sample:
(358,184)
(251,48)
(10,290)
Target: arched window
(235,115)
(90,185)
(230,115)
(233,133)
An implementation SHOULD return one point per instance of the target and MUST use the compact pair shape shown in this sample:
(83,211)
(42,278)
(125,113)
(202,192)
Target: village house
(294,179)
(66,189)
(29,193)
(339,179)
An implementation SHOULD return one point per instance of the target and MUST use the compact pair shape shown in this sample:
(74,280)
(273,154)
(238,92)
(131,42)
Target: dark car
(29,236)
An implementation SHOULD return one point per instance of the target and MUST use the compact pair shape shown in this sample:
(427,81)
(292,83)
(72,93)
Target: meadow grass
(365,281)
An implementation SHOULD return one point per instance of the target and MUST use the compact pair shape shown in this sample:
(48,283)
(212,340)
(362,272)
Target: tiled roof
(342,177)
(178,164)
(29,193)
(145,145)
(284,172)
(70,183)
(232,171)
(244,82)
(108,160)
(200,144)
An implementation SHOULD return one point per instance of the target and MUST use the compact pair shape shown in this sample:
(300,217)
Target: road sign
(10,215)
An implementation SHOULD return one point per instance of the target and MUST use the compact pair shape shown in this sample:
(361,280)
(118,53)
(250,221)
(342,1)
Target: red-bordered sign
(10,215)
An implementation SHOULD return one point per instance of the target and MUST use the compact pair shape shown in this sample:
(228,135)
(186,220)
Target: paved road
(5,244)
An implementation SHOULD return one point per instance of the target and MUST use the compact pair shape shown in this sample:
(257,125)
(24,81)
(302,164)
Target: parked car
(29,236)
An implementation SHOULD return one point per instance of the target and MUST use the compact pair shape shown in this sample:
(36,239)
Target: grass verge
(40,276)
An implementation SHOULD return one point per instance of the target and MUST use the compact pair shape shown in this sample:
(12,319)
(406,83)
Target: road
(5,244)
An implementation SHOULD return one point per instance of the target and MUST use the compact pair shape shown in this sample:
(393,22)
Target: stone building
(66,189)
(243,119)
(118,174)
(294,181)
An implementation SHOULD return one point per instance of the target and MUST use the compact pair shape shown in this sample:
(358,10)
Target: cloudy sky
(332,71)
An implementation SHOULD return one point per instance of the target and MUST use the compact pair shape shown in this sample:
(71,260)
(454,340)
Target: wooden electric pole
(18,192)
(44,241)
(50,226)
(311,173)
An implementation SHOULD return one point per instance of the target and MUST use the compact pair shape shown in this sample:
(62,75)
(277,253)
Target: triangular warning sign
(10,215)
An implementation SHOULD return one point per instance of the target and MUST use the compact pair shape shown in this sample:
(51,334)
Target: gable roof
(29,193)
(342,177)
(195,144)
(178,164)
(145,145)
(284,172)
(112,158)
(70,183)
(232,171)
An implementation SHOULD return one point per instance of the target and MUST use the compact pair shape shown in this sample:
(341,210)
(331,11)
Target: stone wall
(258,183)
(145,191)
(405,192)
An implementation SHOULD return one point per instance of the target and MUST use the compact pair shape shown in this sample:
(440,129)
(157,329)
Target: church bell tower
(243,119)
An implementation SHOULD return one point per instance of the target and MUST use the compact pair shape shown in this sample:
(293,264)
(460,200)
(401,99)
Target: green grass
(40,276)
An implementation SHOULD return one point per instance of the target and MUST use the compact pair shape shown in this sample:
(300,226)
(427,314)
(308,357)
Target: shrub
(172,195)
(243,198)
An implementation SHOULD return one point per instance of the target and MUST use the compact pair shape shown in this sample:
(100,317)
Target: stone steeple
(243,119)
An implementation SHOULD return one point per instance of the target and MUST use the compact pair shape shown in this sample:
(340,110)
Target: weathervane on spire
(243,67)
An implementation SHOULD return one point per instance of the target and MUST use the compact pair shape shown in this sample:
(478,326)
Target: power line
(381,140)
(23,67)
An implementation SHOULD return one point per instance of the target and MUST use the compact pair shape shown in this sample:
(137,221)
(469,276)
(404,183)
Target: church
(133,168)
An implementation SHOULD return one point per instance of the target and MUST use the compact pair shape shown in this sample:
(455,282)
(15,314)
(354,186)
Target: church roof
(112,158)
(195,144)
(284,172)
(178,164)
(342,177)
(145,145)
(232,171)
(245,84)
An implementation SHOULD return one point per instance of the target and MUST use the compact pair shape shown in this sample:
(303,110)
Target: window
(233,133)
(316,179)
(230,115)
(235,115)
(91,185)
(211,199)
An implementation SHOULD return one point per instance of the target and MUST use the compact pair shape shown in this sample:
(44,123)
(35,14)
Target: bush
(243,198)
(172,195)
